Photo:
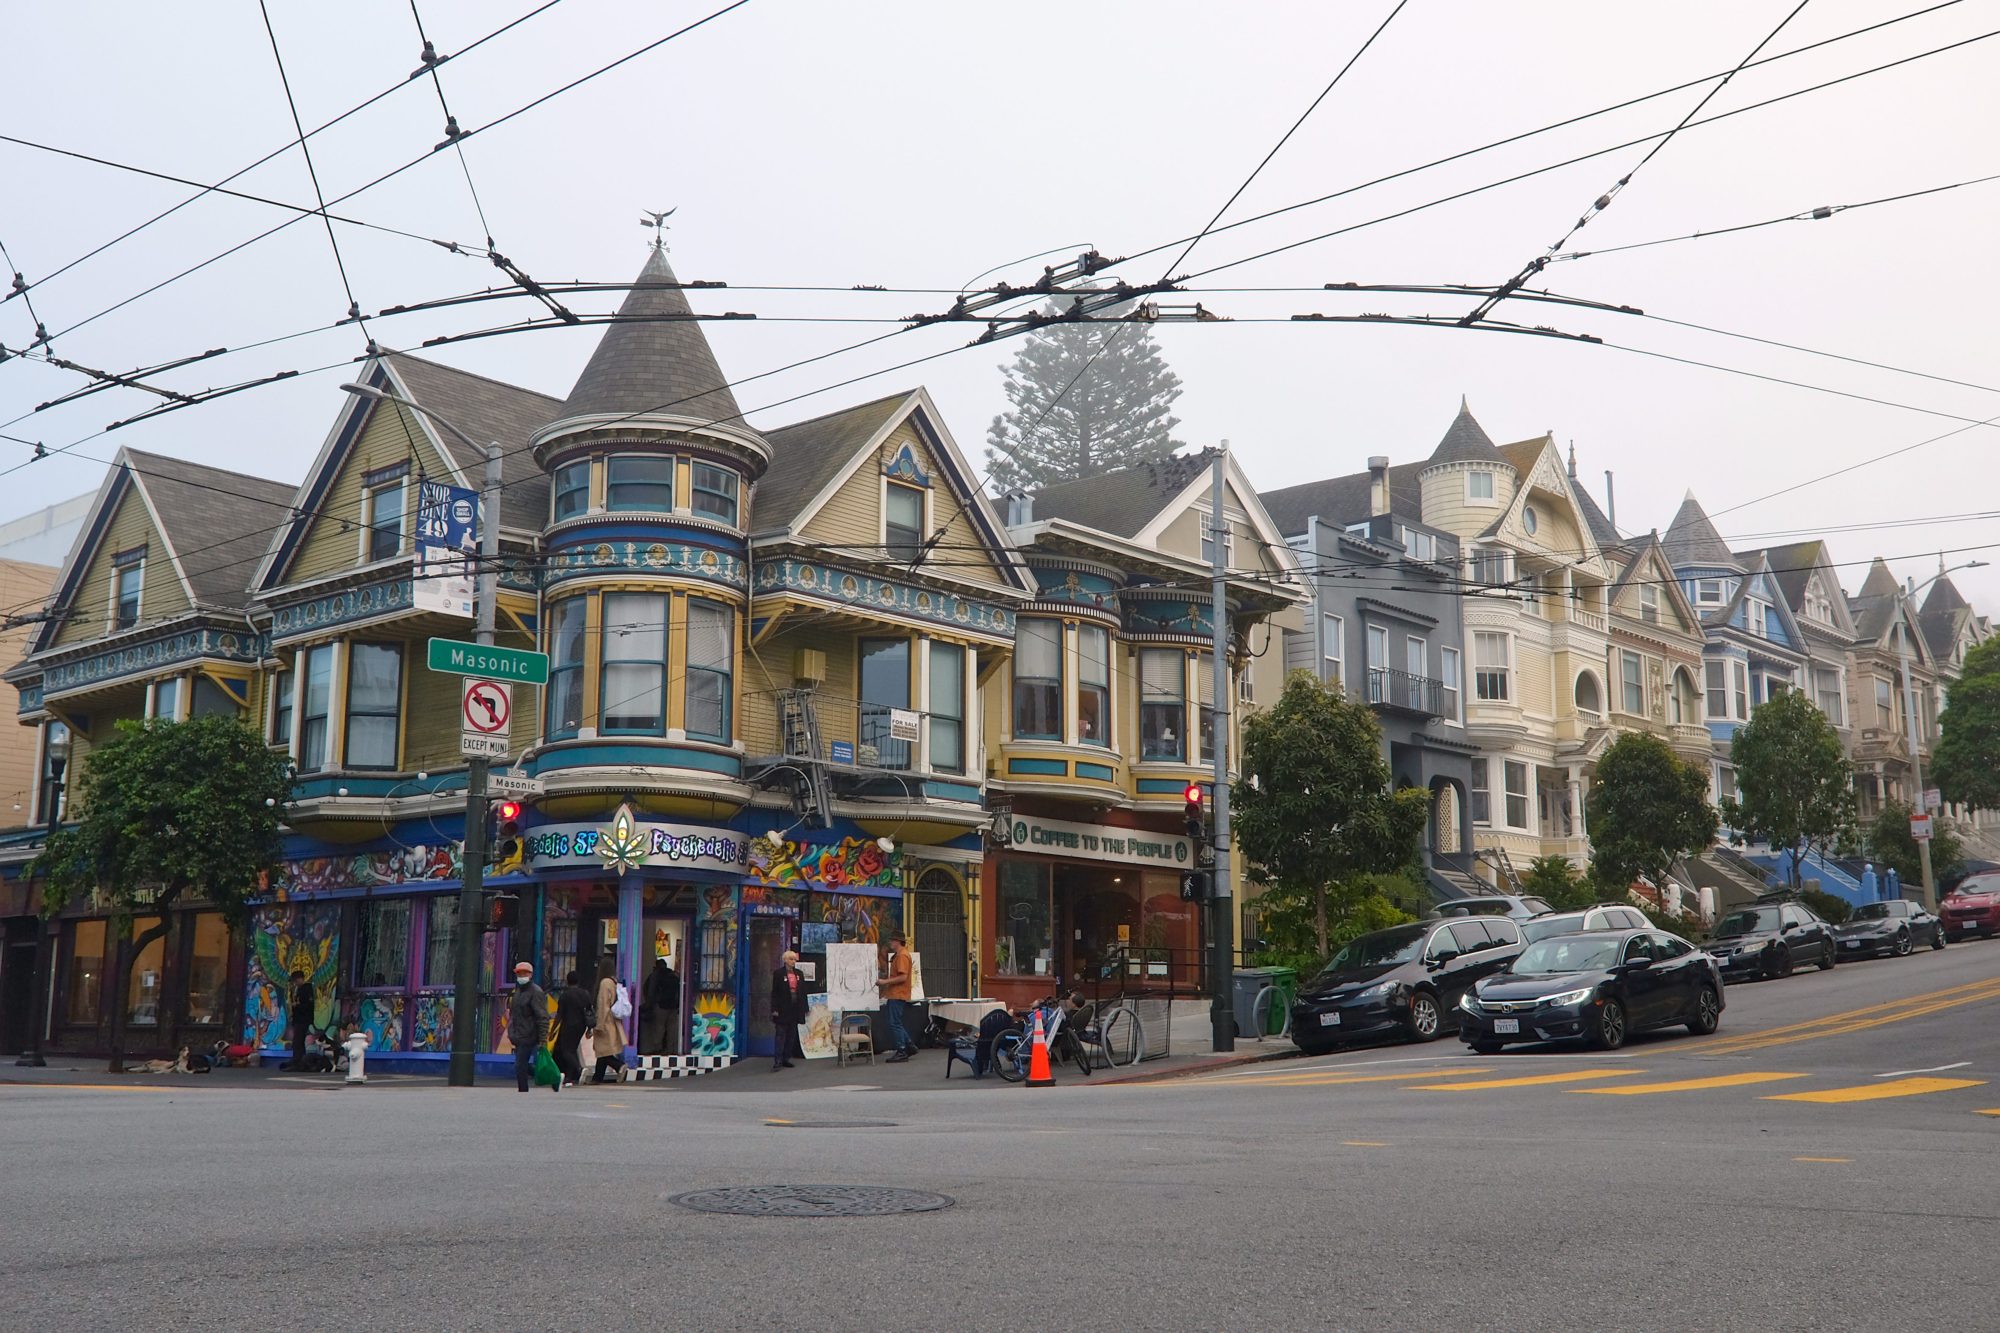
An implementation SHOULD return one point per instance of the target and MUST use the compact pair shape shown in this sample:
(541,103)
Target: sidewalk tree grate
(813,1201)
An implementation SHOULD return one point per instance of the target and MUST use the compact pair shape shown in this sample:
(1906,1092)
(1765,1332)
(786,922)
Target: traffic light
(1196,817)
(1194,886)
(504,911)
(508,850)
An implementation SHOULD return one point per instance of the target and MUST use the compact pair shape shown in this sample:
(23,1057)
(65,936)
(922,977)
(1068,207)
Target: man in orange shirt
(894,984)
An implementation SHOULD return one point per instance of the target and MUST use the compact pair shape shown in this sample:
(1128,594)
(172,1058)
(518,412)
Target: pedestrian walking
(659,1009)
(304,1001)
(788,1010)
(527,1023)
(573,1021)
(610,1032)
(894,986)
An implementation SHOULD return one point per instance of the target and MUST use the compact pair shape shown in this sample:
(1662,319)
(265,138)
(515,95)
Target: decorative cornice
(368,602)
(1396,612)
(147,658)
(847,589)
(684,559)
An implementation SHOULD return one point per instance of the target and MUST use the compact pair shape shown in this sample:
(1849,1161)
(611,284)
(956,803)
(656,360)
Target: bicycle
(1013,1049)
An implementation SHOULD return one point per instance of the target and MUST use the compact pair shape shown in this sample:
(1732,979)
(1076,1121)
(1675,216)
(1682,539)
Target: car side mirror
(1438,960)
(1637,964)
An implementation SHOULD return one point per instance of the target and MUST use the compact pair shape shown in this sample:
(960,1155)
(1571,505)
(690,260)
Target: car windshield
(1747,921)
(1870,912)
(1567,953)
(1542,927)
(1384,948)
(1980,884)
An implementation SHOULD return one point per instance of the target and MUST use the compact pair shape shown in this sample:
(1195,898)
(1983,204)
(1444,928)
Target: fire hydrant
(357,1056)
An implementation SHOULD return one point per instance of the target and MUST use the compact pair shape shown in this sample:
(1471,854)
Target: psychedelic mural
(849,863)
(404,865)
(305,937)
(382,1017)
(714,1031)
(432,1030)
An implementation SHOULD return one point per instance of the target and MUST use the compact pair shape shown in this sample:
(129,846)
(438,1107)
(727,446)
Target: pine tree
(1117,413)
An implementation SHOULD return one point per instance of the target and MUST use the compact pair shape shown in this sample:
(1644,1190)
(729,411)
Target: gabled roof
(1121,502)
(807,455)
(1601,530)
(1465,441)
(1874,607)
(1692,540)
(649,363)
(1343,500)
(1631,557)
(1792,567)
(485,409)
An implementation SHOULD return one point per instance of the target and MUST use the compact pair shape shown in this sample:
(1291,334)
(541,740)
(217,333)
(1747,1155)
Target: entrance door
(765,939)
(940,934)
(662,1020)
(17,990)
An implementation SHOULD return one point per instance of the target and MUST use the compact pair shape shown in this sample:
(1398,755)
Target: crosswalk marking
(1531,1081)
(1685,1085)
(1872,1092)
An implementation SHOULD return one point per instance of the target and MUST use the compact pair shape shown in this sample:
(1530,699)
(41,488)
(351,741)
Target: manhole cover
(832,1124)
(813,1201)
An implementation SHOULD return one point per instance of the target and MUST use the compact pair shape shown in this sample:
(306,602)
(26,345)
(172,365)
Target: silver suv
(1604,916)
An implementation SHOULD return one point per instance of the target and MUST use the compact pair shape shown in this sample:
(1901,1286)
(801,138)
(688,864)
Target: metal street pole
(1222,934)
(56,760)
(472,884)
(1916,761)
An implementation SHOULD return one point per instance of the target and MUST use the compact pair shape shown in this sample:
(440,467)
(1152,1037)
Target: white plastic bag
(621,1008)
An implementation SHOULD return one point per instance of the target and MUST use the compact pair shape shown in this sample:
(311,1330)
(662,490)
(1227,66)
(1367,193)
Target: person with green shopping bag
(527,1028)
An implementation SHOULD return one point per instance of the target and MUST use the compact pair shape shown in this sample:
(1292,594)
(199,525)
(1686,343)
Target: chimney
(1378,485)
(1020,508)
(1572,460)
(1610,501)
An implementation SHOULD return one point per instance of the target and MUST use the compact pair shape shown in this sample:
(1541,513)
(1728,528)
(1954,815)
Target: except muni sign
(473,659)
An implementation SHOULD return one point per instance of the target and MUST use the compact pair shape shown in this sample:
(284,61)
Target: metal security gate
(938,933)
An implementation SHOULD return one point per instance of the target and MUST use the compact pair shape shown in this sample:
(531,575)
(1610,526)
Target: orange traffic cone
(1039,1075)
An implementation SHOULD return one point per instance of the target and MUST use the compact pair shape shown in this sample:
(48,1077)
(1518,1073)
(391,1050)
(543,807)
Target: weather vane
(658,222)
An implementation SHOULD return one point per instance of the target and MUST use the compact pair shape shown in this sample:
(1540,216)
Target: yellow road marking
(1994,1111)
(619,1106)
(1875,1092)
(98,1087)
(780,1122)
(1532,1081)
(1856,1020)
(1822,1159)
(1686,1084)
(1361,1143)
(1334,1080)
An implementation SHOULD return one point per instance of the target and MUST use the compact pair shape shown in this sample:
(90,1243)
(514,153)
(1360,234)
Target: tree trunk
(1319,919)
(129,950)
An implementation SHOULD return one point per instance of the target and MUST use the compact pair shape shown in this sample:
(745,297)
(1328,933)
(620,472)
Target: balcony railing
(1404,691)
(1587,619)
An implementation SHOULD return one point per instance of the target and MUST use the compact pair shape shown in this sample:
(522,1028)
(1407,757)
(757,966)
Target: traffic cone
(1039,1075)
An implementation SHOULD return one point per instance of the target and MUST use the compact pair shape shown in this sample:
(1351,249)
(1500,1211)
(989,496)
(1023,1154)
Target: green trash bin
(1247,984)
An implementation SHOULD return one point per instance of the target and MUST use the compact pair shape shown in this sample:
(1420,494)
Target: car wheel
(1425,1019)
(1707,1012)
(1937,937)
(1610,1034)
(1902,944)
(1779,964)
(1829,954)
(1485,1047)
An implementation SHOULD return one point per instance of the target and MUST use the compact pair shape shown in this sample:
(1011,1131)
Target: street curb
(1206,1067)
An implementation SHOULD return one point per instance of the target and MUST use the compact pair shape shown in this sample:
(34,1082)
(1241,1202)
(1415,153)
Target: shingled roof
(1121,502)
(1791,568)
(1344,500)
(1874,607)
(806,455)
(650,363)
(1601,530)
(1939,617)
(1465,441)
(218,522)
(486,409)
(1692,540)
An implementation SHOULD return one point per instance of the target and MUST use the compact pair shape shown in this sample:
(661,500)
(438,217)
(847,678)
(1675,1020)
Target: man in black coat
(573,1020)
(303,1002)
(788,1010)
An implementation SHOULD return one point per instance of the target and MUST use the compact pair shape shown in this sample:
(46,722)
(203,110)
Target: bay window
(711,661)
(565,689)
(1742,679)
(1717,689)
(715,492)
(374,700)
(1163,704)
(572,489)
(885,688)
(1632,679)
(1826,684)
(639,482)
(947,707)
(1492,667)
(1204,691)
(167,699)
(1482,792)
(1093,686)
(1448,673)
(315,706)
(633,685)
(1038,646)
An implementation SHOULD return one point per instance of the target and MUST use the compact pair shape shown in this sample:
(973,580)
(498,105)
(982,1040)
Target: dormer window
(1708,592)
(1649,604)
(126,581)
(639,483)
(384,517)
(902,520)
(1479,485)
(715,490)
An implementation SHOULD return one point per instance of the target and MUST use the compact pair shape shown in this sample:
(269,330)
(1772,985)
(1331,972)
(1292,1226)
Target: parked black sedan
(1770,939)
(1894,927)
(1401,982)
(1597,988)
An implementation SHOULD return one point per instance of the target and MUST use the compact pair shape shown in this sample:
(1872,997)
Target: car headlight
(1376,991)
(1569,997)
(1467,1003)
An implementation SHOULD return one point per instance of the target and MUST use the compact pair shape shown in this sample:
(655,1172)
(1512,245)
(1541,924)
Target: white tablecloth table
(963,1013)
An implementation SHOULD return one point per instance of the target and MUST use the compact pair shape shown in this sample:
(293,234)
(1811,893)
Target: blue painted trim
(310,504)
(588,754)
(1054,767)
(1160,787)
(1102,772)
(706,558)
(952,791)
(152,656)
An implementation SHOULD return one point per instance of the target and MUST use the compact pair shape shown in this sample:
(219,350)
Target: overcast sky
(920,145)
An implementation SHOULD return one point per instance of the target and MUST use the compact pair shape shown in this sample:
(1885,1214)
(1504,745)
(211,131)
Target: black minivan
(1404,981)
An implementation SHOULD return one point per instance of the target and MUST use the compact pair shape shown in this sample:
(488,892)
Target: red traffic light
(508,811)
(1193,793)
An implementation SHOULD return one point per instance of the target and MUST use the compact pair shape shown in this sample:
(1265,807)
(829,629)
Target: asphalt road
(1394,1188)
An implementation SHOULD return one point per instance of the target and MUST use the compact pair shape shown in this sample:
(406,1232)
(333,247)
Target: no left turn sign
(487,706)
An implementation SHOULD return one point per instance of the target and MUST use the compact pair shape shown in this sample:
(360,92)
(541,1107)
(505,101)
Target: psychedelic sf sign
(627,843)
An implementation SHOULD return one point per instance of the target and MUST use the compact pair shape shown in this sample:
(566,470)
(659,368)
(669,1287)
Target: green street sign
(490,663)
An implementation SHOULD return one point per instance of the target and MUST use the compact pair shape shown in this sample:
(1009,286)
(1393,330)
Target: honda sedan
(1597,988)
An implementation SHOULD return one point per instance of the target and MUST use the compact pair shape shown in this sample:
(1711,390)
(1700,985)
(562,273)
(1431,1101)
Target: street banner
(447,541)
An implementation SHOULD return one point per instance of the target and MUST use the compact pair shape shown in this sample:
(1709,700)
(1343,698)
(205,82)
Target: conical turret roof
(659,367)
(1692,540)
(1466,441)
(1880,582)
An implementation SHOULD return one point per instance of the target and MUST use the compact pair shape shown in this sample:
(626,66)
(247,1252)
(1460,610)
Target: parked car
(1770,939)
(1602,916)
(1973,908)
(1597,988)
(1404,981)
(1893,927)
(1515,906)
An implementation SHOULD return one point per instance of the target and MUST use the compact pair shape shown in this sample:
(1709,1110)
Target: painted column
(629,926)
(1576,802)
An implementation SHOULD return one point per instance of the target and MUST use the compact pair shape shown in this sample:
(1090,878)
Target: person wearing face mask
(527,1024)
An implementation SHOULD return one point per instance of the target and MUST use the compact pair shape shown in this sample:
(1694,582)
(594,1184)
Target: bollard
(357,1057)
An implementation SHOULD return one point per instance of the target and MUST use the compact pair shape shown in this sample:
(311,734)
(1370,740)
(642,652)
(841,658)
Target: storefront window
(566,667)
(142,992)
(947,707)
(442,943)
(1037,680)
(1093,686)
(85,983)
(382,944)
(208,968)
(635,663)
(1163,704)
(1023,943)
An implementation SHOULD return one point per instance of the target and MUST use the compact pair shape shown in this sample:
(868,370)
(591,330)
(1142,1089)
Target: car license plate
(1329,1020)
(1506,1025)
(1853,944)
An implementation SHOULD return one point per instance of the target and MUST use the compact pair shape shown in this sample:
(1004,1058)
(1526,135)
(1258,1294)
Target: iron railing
(1405,691)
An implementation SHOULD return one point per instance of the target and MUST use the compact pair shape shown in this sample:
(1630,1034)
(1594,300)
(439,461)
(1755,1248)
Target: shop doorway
(766,935)
(939,933)
(17,986)
(662,1027)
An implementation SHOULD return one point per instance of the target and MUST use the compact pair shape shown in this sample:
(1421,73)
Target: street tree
(1967,764)
(1892,847)
(1084,399)
(167,813)
(1647,807)
(1314,809)
(1794,784)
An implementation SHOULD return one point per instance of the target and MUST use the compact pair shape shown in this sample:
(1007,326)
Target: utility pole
(1221,934)
(472,884)
(1910,724)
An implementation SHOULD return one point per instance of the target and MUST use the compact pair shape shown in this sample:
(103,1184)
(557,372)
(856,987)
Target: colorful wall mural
(305,937)
(382,1017)
(404,865)
(714,1031)
(849,863)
